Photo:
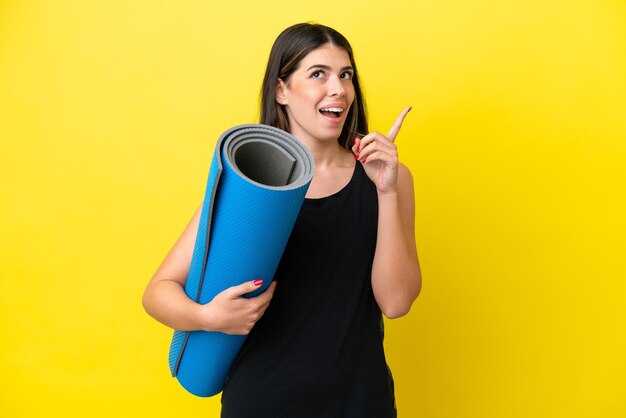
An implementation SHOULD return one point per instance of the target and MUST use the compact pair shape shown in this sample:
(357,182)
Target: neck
(327,154)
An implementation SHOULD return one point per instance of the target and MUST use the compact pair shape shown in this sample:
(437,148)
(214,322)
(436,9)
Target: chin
(329,137)
(321,133)
(331,133)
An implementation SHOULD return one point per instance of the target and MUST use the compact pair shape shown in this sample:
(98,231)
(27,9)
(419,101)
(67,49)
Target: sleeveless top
(318,350)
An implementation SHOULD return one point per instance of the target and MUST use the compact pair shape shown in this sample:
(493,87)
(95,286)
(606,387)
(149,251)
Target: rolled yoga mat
(258,178)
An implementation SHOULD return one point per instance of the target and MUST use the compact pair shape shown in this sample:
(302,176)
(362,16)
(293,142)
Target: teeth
(332,109)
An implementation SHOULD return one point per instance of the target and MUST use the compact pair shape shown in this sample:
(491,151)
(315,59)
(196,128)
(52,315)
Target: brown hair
(291,46)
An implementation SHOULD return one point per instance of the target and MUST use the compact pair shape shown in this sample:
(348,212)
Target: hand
(379,156)
(232,313)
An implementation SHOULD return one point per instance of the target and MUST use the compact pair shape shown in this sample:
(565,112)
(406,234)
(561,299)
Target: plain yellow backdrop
(517,144)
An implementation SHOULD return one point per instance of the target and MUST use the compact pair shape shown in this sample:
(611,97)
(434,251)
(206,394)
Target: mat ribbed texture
(258,178)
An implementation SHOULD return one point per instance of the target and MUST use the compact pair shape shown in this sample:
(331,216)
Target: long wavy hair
(291,46)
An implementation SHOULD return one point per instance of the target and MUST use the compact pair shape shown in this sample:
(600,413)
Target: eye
(317,74)
(347,75)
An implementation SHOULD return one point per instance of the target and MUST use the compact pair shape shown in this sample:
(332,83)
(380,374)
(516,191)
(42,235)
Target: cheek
(351,97)
(350,92)
(303,97)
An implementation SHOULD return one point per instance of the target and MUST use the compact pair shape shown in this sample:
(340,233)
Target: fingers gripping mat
(258,178)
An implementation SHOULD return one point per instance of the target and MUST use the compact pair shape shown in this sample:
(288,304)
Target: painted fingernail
(258,282)
(356,157)
(364,161)
(359,150)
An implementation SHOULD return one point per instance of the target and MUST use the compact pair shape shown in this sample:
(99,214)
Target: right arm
(229,312)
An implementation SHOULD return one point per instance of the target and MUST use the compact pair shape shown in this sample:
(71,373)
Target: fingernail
(258,282)
(356,157)
(364,161)
(359,150)
(411,107)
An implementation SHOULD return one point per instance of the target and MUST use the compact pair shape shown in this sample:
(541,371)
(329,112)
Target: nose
(335,87)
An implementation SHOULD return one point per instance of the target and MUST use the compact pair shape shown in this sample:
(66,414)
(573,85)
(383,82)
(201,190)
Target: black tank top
(318,350)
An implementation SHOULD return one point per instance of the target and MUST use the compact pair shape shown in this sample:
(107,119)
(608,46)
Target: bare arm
(396,275)
(229,312)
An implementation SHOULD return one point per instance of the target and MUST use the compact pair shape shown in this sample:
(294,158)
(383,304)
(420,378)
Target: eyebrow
(326,67)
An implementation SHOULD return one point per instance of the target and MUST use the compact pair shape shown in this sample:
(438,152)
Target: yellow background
(517,143)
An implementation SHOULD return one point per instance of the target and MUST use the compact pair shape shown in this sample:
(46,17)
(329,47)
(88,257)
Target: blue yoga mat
(258,178)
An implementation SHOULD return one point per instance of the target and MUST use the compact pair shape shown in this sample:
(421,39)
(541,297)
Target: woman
(317,349)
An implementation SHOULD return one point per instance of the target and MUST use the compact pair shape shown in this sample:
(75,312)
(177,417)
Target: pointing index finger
(393,132)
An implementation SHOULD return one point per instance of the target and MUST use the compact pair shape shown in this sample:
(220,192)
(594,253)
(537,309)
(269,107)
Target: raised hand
(379,155)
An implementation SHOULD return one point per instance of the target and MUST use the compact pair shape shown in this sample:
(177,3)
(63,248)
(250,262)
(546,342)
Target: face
(318,95)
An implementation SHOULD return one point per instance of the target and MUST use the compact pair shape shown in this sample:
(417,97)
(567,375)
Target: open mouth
(332,112)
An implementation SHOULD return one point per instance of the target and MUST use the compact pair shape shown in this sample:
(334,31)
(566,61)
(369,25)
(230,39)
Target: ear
(281,90)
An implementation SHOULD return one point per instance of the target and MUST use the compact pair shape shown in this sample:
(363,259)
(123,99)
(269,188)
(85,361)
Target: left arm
(396,275)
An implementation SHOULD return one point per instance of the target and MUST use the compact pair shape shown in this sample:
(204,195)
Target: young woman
(317,349)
